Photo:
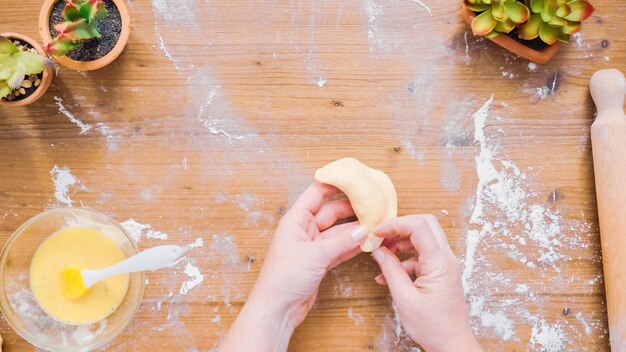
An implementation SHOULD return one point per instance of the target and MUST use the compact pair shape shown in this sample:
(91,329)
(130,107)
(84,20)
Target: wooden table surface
(217,114)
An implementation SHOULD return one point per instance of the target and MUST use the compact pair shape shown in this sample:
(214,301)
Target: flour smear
(63,180)
(509,220)
(138,230)
(195,277)
(224,266)
(84,127)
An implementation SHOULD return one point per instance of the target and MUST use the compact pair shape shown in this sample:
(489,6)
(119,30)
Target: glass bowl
(18,302)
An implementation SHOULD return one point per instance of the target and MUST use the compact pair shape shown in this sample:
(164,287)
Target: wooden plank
(296,85)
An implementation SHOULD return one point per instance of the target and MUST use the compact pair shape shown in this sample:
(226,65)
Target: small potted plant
(532,29)
(25,71)
(88,34)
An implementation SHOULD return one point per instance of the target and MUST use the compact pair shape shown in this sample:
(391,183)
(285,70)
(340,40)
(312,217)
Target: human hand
(427,289)
(305,246)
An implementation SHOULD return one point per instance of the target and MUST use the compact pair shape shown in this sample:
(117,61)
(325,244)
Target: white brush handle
(150,259)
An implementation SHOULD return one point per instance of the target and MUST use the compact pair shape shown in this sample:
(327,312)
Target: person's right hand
(426,289)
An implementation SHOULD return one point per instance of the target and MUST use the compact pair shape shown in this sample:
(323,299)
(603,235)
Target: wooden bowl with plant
(84,35)
(532,29)
(25,71)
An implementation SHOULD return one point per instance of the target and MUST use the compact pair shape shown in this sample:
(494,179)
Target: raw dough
(370,191)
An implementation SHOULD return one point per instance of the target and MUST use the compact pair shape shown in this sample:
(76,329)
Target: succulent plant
(553,20)
(81,24)
(15,64)
(497,16)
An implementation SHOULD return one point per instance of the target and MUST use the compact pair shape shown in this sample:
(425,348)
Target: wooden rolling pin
(608,139)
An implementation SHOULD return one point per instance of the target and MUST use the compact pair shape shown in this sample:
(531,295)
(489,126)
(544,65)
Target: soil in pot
(536,43)
(110,27)
(30,82)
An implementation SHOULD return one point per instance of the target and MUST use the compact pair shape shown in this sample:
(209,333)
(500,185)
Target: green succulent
(15,64)
(81,24)
(497,16)
(553,20)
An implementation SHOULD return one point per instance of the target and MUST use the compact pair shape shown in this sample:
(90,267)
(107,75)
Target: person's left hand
(305,247)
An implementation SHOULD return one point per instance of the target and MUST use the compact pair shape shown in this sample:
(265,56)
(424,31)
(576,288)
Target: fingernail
(359,233)
(378,255)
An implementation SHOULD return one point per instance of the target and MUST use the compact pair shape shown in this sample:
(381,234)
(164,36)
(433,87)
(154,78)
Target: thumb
(397,279)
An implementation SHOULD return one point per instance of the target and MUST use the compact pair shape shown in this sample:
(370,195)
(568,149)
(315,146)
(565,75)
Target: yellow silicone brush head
(72,283)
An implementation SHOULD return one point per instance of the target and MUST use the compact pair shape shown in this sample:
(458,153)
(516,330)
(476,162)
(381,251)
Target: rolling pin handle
(608,88)
(608,139)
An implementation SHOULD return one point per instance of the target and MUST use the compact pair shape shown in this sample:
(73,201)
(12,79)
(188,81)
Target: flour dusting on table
(430,13)
(84,127)
(357,318)
(224,266)
(63,180)
(195,277)
(138,230)
(508,217)
(199,242)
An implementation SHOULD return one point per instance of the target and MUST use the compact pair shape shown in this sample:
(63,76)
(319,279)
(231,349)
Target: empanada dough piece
(370,191)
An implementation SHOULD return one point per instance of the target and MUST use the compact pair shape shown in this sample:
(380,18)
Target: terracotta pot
(46,79)
(512,45)
(44,30)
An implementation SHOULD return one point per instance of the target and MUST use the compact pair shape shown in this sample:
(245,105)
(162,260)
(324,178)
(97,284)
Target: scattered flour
(167,52)
(424,6)
(342,288)
(108,134)
(584,322)
(321,82)
(392,337)
(63,179)
(162,8)
(358,319)
(255,217)
(217,132)
(196,278)
(373,11)
(507,74)
(550,337)
(212,122)
(498,321)
(545,91)
(418,155)
(486,172)
(450,175)
(84,127)
(506,215)
(173,14)
(246,201)
(156,235)
(197,243)
(578,39)
(398,325)
(225,264)
(134,228)
(137,230)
